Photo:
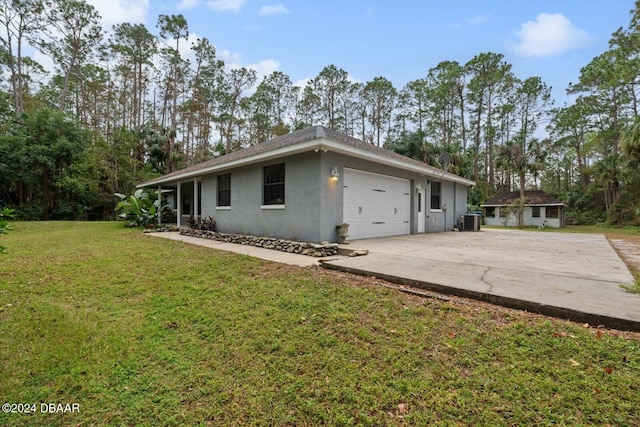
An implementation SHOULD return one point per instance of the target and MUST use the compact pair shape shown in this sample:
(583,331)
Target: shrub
(206,224)
(622,215)
(5,214)
(138,209)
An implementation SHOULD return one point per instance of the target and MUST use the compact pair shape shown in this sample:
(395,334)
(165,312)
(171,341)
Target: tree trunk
(583,178)
(462,126)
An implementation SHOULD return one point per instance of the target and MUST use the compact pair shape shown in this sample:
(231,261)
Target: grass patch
(588,229)
(144,331)
(634,288)
(596,229)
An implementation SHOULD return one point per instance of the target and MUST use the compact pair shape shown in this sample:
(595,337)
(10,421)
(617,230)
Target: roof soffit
(319,142)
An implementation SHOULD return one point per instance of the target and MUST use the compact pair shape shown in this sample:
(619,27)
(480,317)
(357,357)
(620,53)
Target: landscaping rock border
(320,250)
(167,229)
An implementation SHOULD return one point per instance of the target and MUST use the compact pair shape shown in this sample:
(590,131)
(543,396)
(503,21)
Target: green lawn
(143,331)
(589,229)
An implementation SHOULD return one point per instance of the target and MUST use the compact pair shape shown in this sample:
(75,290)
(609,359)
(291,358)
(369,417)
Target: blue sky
(399,40)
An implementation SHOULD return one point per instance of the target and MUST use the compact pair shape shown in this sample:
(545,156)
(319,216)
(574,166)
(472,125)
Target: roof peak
(532,197)
(284,142)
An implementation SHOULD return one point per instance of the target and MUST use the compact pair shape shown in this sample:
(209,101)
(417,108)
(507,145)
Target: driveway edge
(519,304)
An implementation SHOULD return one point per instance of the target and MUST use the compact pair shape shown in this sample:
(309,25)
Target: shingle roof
(531,197)
(304,135)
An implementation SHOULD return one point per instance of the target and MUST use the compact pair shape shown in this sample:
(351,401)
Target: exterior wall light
(419,188)
(334,173)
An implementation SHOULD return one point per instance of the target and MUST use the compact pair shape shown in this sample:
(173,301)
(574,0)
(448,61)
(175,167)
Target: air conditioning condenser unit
(469,222)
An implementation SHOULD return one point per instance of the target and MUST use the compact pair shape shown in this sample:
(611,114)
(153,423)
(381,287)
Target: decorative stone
(323,249)
(160,229)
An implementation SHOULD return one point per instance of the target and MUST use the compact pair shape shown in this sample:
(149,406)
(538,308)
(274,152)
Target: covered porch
(184,200)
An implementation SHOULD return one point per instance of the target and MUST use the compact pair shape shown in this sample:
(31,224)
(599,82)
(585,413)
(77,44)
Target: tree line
(123,108)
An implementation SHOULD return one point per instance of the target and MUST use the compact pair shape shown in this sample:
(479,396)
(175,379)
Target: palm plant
(138,209)
(5,214)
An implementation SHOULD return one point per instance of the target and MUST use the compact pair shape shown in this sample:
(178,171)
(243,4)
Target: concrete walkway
(571,276)
(266,254)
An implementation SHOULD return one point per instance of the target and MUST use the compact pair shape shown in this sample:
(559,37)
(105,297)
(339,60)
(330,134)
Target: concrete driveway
(572,276)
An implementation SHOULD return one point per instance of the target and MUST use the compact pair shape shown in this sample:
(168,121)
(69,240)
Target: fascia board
(268,155)
(314,144)
(426,170)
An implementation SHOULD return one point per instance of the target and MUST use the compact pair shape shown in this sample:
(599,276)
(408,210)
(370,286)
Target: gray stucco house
(541,210)
(300,186)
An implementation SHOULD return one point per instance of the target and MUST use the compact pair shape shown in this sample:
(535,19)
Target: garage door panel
(375,205)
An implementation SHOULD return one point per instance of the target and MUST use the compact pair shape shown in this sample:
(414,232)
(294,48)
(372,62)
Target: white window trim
(223,208)
(272,207)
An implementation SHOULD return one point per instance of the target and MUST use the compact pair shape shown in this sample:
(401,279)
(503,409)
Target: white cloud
(264,68)
(45,61)
(188,4)
(185,47)
(549,34)
(226,5)
(273,9)
(119,11)
(231,60)
(302,82)
(112,12)
(353,79)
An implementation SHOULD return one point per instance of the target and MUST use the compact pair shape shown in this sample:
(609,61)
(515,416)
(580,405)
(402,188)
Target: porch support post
(196,208)
(159,204)
(178,203)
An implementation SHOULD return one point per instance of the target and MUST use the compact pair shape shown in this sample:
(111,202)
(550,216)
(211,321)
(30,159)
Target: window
(535,211)
(435,195)
(420,201)
(224,190)
(273,191)
(503,212)
(552,212)
(490,212)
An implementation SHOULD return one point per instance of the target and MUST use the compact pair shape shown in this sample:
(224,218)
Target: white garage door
(375,205)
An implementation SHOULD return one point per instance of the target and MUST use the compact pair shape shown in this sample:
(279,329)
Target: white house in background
(541,210)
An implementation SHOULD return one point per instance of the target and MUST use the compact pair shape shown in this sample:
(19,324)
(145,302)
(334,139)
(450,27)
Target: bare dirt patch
(628,248)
